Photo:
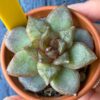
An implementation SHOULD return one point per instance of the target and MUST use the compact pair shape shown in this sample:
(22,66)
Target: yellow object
(12,14)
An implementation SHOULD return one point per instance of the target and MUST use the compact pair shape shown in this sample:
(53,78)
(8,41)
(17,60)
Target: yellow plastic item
(12,14)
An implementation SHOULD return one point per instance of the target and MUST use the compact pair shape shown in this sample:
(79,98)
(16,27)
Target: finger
(90,8)
(14,98)
(96,96)
(87,96)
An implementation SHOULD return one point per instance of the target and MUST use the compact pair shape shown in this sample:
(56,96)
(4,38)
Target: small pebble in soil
(75,94)
(48,92)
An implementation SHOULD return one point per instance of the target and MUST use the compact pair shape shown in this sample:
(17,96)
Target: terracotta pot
(94,70)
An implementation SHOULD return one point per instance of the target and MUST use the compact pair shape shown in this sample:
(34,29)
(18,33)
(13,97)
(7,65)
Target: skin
(91,9)
(14,98)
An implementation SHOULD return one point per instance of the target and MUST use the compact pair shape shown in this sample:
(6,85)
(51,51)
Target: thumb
(14,98)
(90,9)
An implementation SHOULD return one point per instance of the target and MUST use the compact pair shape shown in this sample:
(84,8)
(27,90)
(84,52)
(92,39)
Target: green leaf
(80,56)
(53,54)
(35,28)
(22,64)
(34,84)
(68,36)
(82,35)
(63,59)
(66,82)
(17,39)
(43,58)
(32,52)
(45,39)
(60,19)
(62,46)
(47,71)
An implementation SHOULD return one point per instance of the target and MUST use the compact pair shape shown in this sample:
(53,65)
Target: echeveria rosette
(51,53)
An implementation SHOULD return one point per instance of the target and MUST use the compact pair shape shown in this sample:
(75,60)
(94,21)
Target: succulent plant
(82,35)
(50,52)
